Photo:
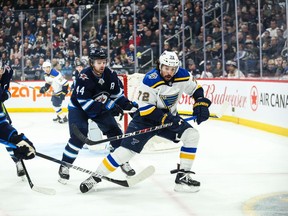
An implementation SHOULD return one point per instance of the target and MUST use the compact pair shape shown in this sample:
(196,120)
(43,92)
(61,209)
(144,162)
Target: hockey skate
(56,119)
(64,174)
(63,120)
(89,183)
(127,169)
(20,170)
(184,182)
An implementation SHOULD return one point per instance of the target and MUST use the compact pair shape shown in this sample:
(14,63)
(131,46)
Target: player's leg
(60,115)
(190,138)
(108,125)
(74,145)
(6,132)
(129,147)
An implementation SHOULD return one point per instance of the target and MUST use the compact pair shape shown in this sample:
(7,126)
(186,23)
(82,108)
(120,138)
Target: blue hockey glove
(25,149)
(200,109)
(5,96)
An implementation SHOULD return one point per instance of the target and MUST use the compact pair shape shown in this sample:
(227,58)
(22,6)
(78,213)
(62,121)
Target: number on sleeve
(144,96)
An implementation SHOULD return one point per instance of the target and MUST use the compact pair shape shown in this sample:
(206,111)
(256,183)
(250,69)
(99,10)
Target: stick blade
(43,190)
(144,174)
(223,109)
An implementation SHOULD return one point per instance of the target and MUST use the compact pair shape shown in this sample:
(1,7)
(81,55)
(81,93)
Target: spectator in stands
(116,64)
(279,66)
(274,49)
(273,28)
(29,70)
(118,42)
(66,22)
(208,72)
(71,57)
(67,70)
(92,34)
(38,50)
(193,69)
(271,69)
(16,66)
(217,71)
(233,71)
(123,57)
(148,40)
(100,28)
(130,54)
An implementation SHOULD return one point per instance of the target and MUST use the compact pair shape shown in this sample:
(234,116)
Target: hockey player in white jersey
(60,88)
(158,96)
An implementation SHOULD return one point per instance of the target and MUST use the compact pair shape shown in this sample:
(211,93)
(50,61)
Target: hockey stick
(6,113)
(218,114)
(31,87)
(147,172)
(44,190)
(85,139)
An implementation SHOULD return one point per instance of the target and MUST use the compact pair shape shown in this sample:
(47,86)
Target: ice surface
(237,167)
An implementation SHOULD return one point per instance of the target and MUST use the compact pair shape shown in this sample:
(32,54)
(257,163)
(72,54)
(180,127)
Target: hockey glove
(200,109)
(5,96)
(62,96)
(131,105)
(43,89)
(25,149)
(117,111)
(113,108)
(176,120)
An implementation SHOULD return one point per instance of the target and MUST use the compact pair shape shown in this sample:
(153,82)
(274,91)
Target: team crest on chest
(169,100)
(83,77)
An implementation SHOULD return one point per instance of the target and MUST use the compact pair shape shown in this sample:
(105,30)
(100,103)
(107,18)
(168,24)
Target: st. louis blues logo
(83,77)
(169,100)
(134,141)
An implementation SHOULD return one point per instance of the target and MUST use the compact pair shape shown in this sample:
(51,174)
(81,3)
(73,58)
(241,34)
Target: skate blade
(62,181)
(186,189)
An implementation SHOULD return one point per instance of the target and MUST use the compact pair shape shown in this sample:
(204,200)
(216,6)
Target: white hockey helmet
(169,58)
(46,64)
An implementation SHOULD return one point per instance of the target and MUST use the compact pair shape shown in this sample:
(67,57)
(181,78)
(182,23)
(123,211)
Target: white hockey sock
(109,164)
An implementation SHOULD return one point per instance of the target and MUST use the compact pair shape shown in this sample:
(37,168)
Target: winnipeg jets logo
(83,77)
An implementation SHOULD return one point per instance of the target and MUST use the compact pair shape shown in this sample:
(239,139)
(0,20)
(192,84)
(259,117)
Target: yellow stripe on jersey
(108,165)
(187,156)
(179,79)
(158,84)
(148,111)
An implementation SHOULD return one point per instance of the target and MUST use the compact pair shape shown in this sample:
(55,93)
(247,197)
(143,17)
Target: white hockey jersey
(56,80)
(154,92)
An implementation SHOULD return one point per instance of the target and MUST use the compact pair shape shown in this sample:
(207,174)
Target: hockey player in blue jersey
(6,73)
(158,96)
(60,88)
(98,95)
(25,149)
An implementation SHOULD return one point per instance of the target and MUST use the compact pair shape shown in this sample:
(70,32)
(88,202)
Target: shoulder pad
(153,79)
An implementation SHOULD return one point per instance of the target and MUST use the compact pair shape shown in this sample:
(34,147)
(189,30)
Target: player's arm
(201,105)
(92,104)
(118,95)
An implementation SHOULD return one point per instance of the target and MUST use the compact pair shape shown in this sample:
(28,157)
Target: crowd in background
(65,31)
